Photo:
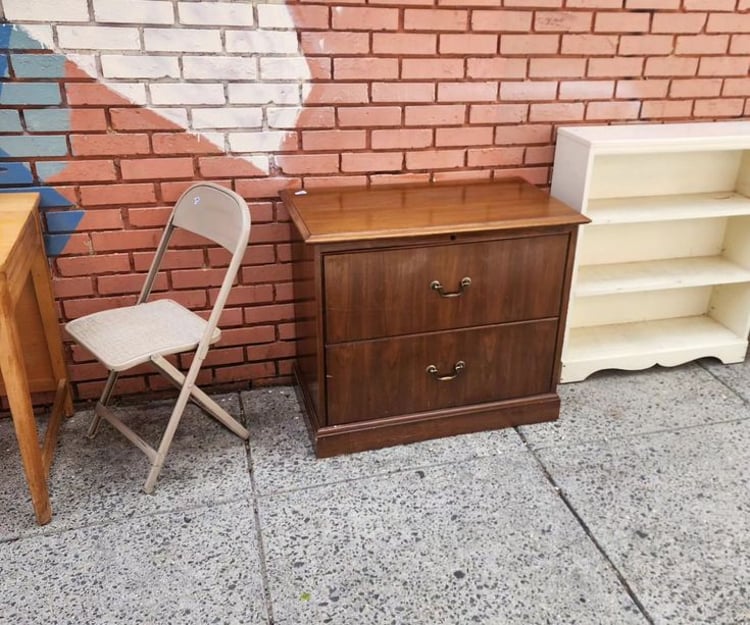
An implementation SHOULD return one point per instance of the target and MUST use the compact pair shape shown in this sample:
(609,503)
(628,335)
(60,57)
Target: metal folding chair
(148,331)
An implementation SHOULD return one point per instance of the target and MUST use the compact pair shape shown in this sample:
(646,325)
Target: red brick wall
(412,92)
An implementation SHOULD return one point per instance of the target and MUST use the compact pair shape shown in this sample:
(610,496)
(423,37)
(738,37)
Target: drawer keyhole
(462,286)
(457,369)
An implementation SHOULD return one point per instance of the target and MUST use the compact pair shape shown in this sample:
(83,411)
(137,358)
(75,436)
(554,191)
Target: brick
(181,40)
(695,87)
(436,159)
(47,120)
(138,119)
(99,37)
(589,45)
(117,194)
(301,164)
(601,111)
(523,134)
(562,21)
(51,10)
(498,67)
(95,94)
(447,137)
(291,16)
(93,265)
(639,45)
(621,22)
(434,115)
(335,42)
(174,258)
(493,157)
(539,155)
(740,44)
(556,112)
(667,109)
(156,168)
(528,90)
(467,44)
(587,90)
(725,23)
(30,94)
(294,117)
(736,87)
(557,68)
(671,66)
(467,91)
(529,44)
(365,68)
(265,187)
(615,67)
(642,5)
(183,143)
(123,284)
(294,68)
(314,140)
(226,117)
(326,182)
(719,107)
(110,144)
(10,121)
(76,171)
(432,68)
(534,3)
(435,19)
(702,44)
(66,288)
(371,161)
(369,116)
(498,113)
(678,22)
(402,138)
(402,91)
(261,42)
(124,66)
(218,68)
(29,145)
(500,21)
(187,93)
(724,66)
(364,18)
(101,219)
(404,43)
(338,93)
(710,5)
(138,12)
(215,13)
(38,65)
(263,141)
(86,119)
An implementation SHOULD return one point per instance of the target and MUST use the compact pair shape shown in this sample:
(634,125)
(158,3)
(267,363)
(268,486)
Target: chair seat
(122,338)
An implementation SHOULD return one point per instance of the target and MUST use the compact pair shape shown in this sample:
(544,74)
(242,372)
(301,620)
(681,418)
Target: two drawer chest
(428,311)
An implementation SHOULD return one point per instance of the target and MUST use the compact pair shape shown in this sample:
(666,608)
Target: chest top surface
(338,215)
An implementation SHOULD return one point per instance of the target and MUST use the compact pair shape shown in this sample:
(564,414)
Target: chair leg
(103,400)
(166,441)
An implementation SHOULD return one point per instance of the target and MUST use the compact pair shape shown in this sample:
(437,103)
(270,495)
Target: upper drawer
(388,292)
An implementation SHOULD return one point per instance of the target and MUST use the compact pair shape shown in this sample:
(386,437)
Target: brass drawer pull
(464,284)
(457,369)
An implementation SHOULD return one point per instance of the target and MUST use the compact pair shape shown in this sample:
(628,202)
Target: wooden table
(31,355)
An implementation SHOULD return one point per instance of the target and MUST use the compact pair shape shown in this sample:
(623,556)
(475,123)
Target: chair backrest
(216,213)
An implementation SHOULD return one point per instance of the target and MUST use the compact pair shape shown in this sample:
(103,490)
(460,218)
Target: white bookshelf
(663,270)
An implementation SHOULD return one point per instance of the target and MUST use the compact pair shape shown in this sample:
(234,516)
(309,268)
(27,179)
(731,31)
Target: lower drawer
(388,377)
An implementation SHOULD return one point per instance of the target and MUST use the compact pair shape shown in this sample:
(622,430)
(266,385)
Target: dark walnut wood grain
(369,323)
(366,291)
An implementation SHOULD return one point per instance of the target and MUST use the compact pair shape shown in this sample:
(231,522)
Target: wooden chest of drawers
(428,311)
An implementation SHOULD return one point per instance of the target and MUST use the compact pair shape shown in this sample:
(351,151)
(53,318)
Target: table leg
(17,389)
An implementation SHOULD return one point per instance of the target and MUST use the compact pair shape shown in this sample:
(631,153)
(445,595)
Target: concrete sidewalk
(633,508)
